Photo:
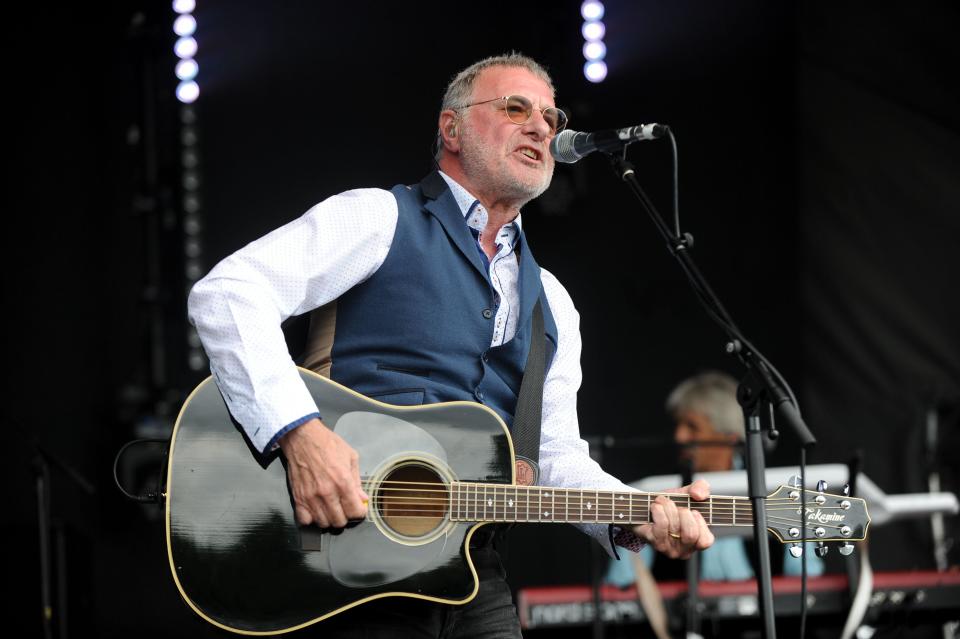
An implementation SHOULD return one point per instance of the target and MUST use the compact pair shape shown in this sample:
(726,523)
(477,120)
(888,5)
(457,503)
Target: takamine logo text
(822,517)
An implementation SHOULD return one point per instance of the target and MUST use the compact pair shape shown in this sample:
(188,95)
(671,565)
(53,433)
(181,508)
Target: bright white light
(188,91)
(184,6)
(593,31)
(185,25)
(591,10)
(185,47)
(595,70)
(594,50)
(187,69)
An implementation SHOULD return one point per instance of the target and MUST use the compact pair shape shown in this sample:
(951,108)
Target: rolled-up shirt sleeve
(238,307)
(565,460)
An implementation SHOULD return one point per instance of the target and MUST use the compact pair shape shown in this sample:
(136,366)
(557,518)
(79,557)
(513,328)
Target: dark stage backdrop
(818,163)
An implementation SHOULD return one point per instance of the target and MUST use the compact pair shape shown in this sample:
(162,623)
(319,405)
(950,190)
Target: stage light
(187,69)
(191,225)
(191,181)
(593,31)
(191,204)
(184,6)
(594,50)
(185,47)
(188,91)
(591,10)
(595,70)
(185,25)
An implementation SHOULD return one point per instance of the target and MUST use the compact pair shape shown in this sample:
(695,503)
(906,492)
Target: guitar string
(500,500)
(521,487)
(717,507)
(605,510)
(417,514)
(501,489)
(602,500)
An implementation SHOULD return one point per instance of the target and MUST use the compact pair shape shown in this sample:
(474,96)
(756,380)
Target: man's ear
(449,130)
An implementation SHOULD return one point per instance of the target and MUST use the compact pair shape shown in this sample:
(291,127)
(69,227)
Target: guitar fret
(710,520)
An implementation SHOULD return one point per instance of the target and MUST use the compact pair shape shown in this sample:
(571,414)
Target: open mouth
(528,152)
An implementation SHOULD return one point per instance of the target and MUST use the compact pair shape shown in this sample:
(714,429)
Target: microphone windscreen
(561,147)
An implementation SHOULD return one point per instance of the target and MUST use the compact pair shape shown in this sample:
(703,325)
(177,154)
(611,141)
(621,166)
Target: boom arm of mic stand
(758,387)
(678,247)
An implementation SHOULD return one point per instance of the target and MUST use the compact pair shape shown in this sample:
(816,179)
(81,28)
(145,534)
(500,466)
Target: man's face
(693,427)
(495,153)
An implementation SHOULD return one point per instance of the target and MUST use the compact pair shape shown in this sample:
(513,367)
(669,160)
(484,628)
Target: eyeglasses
(519,109)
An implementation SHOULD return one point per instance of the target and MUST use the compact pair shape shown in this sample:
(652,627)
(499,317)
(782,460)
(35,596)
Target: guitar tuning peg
(795,550)
(794,481)
(822,486)
(822,549)
(846,548)
(846,490)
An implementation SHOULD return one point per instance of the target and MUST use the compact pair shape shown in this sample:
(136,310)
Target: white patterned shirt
(339,243)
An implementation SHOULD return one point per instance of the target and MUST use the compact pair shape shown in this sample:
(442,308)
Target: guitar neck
(507,503)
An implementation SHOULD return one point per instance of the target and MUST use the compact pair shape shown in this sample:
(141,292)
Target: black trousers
(490,615)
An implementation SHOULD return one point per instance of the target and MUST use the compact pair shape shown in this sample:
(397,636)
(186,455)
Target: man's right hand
(324,476)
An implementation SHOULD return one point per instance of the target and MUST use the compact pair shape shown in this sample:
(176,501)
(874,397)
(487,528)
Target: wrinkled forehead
(494,82)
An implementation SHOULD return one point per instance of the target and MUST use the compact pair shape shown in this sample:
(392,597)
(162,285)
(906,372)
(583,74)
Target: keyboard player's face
(708,449)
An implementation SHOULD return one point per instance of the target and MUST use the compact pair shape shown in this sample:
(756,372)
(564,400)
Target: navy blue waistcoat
(419,330)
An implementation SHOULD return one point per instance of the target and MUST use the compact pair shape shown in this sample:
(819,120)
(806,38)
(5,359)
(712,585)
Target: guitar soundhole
(412,500)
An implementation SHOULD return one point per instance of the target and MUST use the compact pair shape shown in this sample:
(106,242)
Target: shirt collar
(466,201)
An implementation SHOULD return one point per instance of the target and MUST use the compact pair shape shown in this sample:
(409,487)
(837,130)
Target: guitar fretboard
(506,503)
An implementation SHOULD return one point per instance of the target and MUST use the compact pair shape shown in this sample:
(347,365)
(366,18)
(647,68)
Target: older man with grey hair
(420,294)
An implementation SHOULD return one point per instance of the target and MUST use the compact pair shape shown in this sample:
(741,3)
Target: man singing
(420,294)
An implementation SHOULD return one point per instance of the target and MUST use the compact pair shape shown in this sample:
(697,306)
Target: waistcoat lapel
(443,206)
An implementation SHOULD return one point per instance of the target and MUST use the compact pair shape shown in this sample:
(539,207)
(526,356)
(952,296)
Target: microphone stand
(693,572)
(760,391)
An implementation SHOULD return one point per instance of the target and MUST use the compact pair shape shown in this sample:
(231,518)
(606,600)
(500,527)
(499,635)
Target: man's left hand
(678,532)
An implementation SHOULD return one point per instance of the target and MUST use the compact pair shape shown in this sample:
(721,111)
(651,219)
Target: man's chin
(532,188)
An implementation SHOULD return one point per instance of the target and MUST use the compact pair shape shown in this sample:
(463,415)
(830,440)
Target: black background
(819,155)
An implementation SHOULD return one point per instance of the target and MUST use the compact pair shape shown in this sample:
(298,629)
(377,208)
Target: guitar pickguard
(373,554)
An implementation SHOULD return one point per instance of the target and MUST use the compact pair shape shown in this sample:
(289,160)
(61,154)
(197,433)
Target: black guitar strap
(526,419)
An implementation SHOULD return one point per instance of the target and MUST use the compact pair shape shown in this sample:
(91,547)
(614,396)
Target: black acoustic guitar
(434,473)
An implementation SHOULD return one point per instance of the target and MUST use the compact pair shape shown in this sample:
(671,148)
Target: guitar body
(241,561)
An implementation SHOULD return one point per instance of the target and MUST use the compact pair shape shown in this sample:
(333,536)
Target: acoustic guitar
(435,474)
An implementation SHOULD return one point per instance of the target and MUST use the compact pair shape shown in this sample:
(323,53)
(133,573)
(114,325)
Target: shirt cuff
(274,443)
(626,538)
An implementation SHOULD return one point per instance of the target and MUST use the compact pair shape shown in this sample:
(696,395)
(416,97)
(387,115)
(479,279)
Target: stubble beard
(492,174)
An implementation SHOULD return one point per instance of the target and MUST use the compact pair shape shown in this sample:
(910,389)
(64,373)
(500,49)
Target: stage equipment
(895,594)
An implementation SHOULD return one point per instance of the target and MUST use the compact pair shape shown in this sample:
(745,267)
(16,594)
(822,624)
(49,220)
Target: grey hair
(460,90)
(715,395)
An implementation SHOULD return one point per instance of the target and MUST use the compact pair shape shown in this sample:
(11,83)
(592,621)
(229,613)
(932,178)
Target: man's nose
(538,125)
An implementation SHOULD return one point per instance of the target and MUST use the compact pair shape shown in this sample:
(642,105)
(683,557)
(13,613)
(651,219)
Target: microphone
(569,146)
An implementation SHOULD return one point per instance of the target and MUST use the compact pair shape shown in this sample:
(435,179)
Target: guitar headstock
(828,518)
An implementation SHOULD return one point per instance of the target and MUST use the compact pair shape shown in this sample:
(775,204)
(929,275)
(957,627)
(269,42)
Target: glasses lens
(556,118)
(518,109)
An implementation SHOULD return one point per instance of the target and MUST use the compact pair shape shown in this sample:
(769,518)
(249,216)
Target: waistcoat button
(487,313)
